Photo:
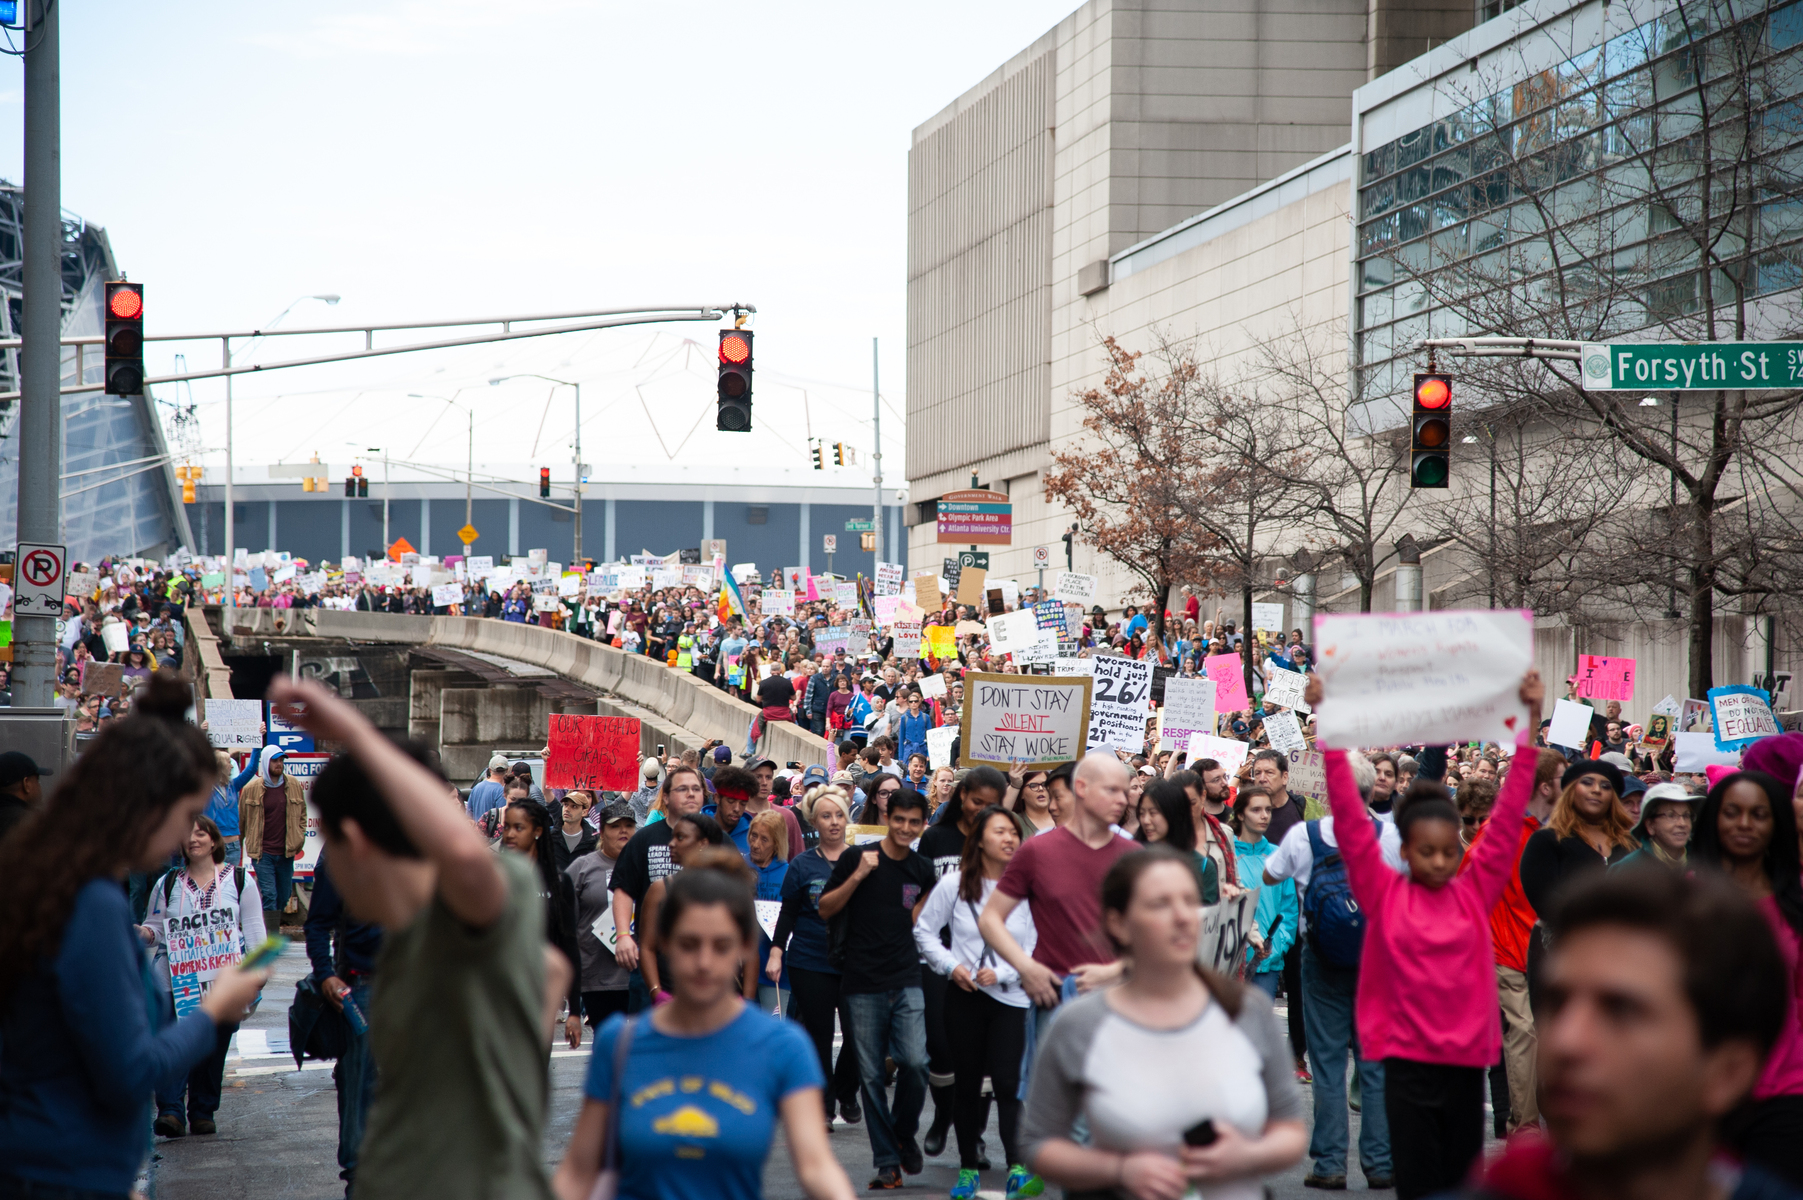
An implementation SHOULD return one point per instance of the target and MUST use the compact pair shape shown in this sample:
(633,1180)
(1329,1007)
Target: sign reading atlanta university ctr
(1692,366)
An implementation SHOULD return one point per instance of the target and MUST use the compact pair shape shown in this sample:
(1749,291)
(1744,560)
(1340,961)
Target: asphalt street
(278,1127)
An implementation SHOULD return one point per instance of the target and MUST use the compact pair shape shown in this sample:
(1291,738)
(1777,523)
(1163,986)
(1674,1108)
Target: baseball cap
(760,763)
(616,812)
(498,763)
(722,754)
(651,769)
(16,766)
(813,776)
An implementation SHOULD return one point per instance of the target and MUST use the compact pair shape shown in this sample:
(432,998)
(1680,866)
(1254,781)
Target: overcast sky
(451,158)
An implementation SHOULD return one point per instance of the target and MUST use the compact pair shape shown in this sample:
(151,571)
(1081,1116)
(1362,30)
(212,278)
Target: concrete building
(773,516)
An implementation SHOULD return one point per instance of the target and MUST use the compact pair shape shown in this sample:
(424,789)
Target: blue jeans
(275,879)
(1329,999)
(891,1025)
(201,1084)
(1267,981)
(355,1077)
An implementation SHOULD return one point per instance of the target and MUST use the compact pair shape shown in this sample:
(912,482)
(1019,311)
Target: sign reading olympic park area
(976,517)
(1691,366)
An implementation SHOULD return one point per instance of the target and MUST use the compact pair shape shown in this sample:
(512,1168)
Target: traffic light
(350,487)
(544,481)
(839,453)
(1430,460)
(734,415)
(189,476)
(124,339)
(818,451)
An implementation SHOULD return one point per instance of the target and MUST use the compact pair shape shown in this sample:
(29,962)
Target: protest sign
(845,595)
(1658,731)
(1231,754)
(1036,720)
(1043,650)
(1308,778)
(569,584)
(1071,665)
(665,577)
(883,609)
(939,746)
(117,636)
(1570,725)
(593,752)
(1189,709)
(479,566)
(888,579)
(1669,706)
(1226,932)
(1010,595)
(1069,585)
(832,639)
(1692,752)
(1602,678)
(1229,674)
(1696,717)
(778,602)
(1431,677)
(102,678)
(1268,616)
(1743,715)
(926,593)
(1285,688)
(1118,709)
(447,594)
(1284,731)
(544,603)
(83,584)
(907,639)
(1013,632)
(971,587)
(932,686)
(304,767)
(235,724)
(940,642)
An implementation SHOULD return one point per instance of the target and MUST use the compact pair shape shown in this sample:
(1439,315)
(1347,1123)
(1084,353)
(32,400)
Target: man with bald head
(1060,875)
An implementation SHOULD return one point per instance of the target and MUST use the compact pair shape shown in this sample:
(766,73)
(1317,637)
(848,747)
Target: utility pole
(576,555)
(41,361)
(230,604)
(876,418)
(386,542)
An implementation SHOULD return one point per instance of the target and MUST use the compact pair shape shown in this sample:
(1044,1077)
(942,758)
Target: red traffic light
(124,301)
(1432,391)
(734,349)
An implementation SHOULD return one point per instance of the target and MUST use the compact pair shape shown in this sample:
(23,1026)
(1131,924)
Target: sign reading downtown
(1691,366)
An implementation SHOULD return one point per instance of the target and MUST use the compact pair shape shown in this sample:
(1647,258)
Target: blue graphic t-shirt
(698,1113)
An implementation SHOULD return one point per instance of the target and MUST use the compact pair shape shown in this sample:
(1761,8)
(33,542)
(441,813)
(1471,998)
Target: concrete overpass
(471,686)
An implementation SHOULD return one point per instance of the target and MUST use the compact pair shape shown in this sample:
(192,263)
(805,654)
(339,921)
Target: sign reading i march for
(1691,366)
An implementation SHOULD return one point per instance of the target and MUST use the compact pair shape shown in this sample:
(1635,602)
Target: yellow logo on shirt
(687,1121)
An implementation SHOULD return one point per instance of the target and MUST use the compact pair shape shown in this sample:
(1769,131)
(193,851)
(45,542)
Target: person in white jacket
(986,1013)
(205,916)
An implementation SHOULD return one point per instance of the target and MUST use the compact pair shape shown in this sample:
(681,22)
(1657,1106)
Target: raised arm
(469,879)
(1496,851)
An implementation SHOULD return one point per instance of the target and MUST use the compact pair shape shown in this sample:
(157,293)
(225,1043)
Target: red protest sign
(593,752)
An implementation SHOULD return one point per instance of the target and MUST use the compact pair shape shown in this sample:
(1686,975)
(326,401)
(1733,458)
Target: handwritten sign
(593,752)
(1012,632)
(1603,678)
(1226,931)
(926,593)
(1284,731)
(1117,719)
(235,724)
(778,602)
(1743,715)
(1285,688)
(907,639)
(939,746)
(1229,674)
(1268,616)
(1189,709)
(1231,754)
(102,678)
(1025,719)
(1071,665)
(1433,677)
(888,579)
(932,687)
(446,594)
(1079,589)
(1308,777)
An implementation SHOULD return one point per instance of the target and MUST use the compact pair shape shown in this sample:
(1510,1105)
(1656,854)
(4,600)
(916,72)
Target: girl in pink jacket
(1427,979)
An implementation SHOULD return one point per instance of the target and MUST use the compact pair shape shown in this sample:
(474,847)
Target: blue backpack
(1336,924)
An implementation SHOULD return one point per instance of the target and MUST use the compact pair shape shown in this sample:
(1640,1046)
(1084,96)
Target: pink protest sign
(1228,672)
(1602,678)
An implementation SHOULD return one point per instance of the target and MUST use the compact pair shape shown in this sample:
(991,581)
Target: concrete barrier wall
(212,678)
(365,626)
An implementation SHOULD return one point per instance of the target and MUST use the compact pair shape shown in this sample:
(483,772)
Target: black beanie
(1592,766)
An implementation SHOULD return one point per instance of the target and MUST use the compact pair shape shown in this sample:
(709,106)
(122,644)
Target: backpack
(1336,924)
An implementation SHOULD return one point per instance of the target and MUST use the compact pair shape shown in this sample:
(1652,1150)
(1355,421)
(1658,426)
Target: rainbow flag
(730,603)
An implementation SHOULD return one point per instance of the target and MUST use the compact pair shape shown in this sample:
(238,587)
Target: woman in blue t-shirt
(706,1076)
(768,849)
(802,943)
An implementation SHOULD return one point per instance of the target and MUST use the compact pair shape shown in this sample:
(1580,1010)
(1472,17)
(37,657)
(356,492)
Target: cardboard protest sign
(1285,688)
(1189,709)
(234,724)
(1284,731)
(101,678)
(1602,678)
(907,639)
(1229,674)
(1069,585)
(939,746)
(1432,677)
(593,752)
(1229,752)
(1308,778)
(971,589)
(1036,720)
(1570,725)
(1743,715)
(1226,932)
(926,593)
(1118,708)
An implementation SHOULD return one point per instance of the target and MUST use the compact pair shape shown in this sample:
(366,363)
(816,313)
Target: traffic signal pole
(876,419)
(41,360)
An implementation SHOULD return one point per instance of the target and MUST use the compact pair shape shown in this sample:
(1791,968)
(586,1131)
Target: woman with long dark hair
(1182,1049)
(1165,819)
(985,1015)
(526,829)
(876,801)
(1747,830)
(79,1051)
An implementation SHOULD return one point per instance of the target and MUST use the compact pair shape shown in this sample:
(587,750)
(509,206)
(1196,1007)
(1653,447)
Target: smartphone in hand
(265,954)
(1202,1133)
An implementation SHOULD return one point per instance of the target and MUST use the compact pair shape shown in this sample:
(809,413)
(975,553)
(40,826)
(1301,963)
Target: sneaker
(1327,1183)
(911,1161)
(169,1125)
(1302,1075)
(1023,1184)
(849,1110)
(1380,1183)
(202,1125)
(966,1187)
(886,1179)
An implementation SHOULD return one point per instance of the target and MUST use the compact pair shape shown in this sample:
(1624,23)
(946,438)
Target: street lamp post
(231,552)
(576,487)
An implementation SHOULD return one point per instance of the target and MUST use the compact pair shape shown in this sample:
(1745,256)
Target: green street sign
(860,527)
(1691,366)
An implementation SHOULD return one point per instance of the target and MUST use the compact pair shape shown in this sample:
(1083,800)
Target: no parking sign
(39,579)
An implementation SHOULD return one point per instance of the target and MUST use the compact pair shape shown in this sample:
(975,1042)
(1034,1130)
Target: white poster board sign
(1229,753)
(1285,688)
(1063,665)
(888,579)
(778,602)
(907,639)
(1189,709)
(932,686)
(939,746)
(1570,725)
(1118,710)
(1434,677)
(1078,589)
(1284,731)
(1014,632)
(1695,751)
(1268,617)
(1032,719)
(446,594)
(235,724)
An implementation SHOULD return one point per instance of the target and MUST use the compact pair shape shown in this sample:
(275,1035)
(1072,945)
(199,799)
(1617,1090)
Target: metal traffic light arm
(1504,347)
